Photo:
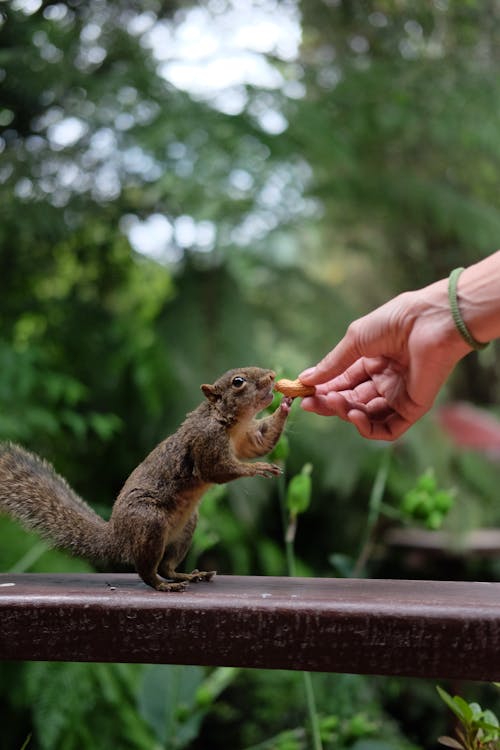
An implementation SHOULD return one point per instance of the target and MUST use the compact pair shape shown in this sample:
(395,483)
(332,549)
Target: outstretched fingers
(331,404)
(356,388)
(390,428)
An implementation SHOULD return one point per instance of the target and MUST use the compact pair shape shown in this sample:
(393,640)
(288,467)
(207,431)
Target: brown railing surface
(386,627)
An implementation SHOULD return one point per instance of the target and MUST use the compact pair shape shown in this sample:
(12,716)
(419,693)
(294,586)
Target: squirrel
(155,514)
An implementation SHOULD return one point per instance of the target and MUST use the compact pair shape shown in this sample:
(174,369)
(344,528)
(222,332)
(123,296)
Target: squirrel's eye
(238,382)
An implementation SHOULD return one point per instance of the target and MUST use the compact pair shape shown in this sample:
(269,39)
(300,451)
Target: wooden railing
(412,628)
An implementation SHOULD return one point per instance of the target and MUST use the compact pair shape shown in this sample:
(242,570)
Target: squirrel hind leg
(194,577)
(176,552)
(149,575)
(147,556)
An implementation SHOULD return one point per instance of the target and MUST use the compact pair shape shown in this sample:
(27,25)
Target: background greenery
(381,175)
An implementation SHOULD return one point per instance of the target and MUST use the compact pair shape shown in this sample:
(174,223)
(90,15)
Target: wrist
(456,313)
(433,310)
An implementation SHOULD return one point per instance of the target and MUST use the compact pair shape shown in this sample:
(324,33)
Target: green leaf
(443,500)
(299,490)
(491,730)
(105,425)
(427,482)
(477,711)
(490,718)
(343,565)
(360,725)
(167,702)
(464,711)
(75,422)
(434,520)
(457,705)
(214,684)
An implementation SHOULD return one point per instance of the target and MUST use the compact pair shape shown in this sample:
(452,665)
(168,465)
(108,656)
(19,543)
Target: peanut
(294,388)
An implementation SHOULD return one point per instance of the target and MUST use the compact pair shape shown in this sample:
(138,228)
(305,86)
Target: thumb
(334,363)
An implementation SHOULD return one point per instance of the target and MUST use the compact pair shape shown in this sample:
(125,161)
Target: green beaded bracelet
(455,311)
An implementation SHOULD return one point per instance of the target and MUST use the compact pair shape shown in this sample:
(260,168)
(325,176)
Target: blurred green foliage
(382,175)
(478,728)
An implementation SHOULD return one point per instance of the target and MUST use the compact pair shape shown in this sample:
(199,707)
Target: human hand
(387,370)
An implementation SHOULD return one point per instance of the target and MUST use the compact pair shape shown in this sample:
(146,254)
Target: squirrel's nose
(267,379)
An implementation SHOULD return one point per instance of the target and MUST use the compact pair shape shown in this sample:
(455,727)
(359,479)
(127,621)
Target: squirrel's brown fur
(155,514)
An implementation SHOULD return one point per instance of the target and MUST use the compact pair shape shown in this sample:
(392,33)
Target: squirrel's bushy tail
(33,493)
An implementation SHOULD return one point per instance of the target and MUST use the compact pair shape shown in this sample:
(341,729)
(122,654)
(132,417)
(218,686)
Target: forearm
(479,298)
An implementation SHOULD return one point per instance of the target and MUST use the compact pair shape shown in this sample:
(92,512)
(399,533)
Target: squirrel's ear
(210,393)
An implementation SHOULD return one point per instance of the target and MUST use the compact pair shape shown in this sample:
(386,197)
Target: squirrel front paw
(267,470)
(286,404)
